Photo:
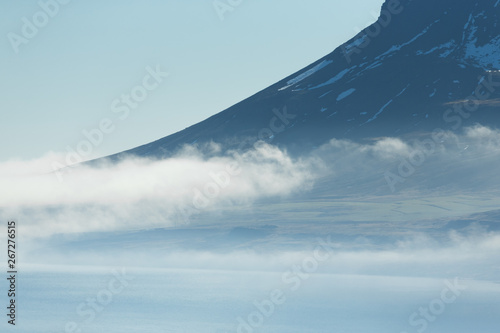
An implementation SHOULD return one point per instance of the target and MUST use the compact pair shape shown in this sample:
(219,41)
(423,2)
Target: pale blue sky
(91,52)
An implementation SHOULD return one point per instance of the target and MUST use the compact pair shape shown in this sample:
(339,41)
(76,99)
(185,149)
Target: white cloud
(142,193)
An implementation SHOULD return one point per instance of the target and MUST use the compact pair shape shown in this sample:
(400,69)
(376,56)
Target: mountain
(423,65)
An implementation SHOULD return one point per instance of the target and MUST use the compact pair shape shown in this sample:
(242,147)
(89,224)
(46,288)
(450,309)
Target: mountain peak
(464,30)
(395,78)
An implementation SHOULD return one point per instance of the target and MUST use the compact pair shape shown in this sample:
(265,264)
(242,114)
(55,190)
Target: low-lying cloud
(144,193)
(471,254)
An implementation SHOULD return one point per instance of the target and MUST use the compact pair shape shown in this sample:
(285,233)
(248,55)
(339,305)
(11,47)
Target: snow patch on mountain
(306,74)
(485,55)
(445,54)
(379,112)
(358,41)
(329,91)
(374,65)
(345,94)
(448,47)
(335,78)
(385,106)
(395,48)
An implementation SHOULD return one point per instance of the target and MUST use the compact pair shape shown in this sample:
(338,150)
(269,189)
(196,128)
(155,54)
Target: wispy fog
(139,194)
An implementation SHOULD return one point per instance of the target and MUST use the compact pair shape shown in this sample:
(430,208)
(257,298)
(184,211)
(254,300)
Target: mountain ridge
(397,77)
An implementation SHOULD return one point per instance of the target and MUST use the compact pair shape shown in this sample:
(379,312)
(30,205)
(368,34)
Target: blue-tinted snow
(385,106)
(306,74)
(334,79)
(325,94)
(374,65)
(357,42)
(395,48)
(485,55)
(345,94)
(449,46)
(379,112)
(446,53)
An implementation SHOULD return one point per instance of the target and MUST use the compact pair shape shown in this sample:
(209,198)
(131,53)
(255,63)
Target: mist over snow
(469,253)
(139,194)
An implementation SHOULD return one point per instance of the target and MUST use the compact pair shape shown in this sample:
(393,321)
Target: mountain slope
(407,73)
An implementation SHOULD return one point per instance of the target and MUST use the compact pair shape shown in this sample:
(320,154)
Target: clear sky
(67,72)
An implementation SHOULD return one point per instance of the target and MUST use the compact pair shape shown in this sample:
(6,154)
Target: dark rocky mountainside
(424,64)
